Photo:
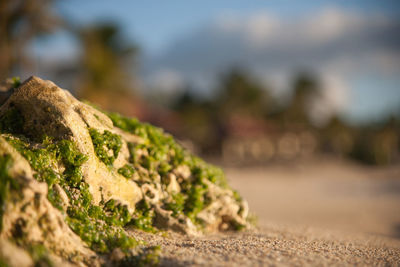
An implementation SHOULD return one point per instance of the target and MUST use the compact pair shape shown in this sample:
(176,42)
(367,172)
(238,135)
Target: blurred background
(298,99)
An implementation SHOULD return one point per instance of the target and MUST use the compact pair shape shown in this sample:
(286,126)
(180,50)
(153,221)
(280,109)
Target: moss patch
(3,263)
(169,177)
(162,155)
(176,205)
(149,257)
(40,255)
(7,184)
(127,171)
(16,82)
(106,145)
(99,226)
(143,217)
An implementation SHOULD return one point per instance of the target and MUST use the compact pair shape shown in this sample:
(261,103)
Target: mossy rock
(75,181)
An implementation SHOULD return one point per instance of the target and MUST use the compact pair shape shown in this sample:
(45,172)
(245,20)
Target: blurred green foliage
(376,143)
(240,93)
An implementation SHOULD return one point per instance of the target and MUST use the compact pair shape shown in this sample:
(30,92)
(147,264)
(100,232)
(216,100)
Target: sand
(276,246)
(313,213)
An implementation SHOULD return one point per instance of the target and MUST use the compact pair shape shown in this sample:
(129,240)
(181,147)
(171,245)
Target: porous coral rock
(103,172)
(13,255)
(30,218)
(47,109)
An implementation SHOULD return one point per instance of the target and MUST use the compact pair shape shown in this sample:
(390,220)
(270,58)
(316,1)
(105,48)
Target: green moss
(237,196)
(16,82)
(149,257)
(55,199)
(163,152)
(96,232)
(100,227)
(40,255)
(143,217)
(11,121)
(127,171)
(70,155)
(45,161)
(127,124)
(195,201)
(117,214)
(163,155)
(7,183)
(177,204)
(3,263)
(105,144)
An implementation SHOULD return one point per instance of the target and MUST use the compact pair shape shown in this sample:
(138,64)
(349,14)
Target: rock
(73,178)
(47,109)
(13,255)
(32,217)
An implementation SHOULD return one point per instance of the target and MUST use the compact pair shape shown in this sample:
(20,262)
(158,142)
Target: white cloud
(334,98)
(261,27)
(166,80)
(329,24)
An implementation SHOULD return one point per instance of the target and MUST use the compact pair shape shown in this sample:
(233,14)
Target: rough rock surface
(73,179)
(47,109)
(32,217)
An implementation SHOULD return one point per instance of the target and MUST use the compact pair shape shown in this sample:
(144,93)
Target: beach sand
(319,212)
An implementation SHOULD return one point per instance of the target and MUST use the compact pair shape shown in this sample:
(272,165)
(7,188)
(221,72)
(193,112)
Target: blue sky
(156,24)
(182,41)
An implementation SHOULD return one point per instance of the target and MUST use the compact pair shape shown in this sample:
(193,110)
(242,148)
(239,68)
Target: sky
(353,46)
